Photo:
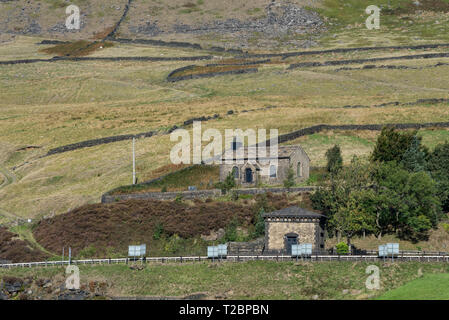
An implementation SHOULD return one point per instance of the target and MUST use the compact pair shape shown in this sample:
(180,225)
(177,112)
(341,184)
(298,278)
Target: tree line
(402,189)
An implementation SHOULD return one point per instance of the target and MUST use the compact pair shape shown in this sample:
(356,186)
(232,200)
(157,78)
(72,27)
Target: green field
(429,287)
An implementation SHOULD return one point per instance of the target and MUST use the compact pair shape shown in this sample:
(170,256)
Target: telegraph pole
(134,160)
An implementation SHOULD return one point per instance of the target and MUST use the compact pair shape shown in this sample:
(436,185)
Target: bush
(334,159)
(290,181)
(174,244)
(158,231)
(231,231)
(342,248)
(446,227)
(228,184)
(88,252)
(178,198)
(260,224)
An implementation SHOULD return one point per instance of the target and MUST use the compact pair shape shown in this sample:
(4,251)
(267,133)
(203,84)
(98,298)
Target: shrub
(88,252)
(290,180)
(334,159)
(178,198)
(158,231)
(260,224)
(446,227)
(231,231)
(342,248)
(174,244)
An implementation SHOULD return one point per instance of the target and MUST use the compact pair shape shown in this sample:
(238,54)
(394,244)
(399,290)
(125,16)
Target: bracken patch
(16,250)
(116,225)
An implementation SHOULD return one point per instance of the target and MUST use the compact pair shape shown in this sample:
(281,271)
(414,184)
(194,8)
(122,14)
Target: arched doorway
(248,175)
(290,239)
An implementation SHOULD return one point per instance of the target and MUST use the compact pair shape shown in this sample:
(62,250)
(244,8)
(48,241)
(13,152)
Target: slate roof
(293,212)
(283,152)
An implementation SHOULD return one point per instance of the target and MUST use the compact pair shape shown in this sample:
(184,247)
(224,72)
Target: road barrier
(402,257)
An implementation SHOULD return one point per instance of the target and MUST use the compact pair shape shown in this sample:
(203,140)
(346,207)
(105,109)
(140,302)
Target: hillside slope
(147,19)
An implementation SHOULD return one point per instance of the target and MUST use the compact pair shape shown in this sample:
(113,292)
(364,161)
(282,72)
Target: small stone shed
(293,225)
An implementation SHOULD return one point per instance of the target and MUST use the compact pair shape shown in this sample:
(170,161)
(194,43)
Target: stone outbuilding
(249,168)
(293,225)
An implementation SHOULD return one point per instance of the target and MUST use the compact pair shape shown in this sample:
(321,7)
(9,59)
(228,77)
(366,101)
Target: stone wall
(211,74)
(255,247)
(199,194)
(255,191)
(308,231)
(162,195)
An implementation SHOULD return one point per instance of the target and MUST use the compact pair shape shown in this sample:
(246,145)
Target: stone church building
(293,225)
(249,169)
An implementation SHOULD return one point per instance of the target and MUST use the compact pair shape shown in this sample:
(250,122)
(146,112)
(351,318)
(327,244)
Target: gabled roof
(283,152)
(293,212)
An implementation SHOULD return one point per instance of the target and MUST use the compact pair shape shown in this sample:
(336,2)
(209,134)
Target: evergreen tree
(391,145)
(260,223)
(438,166)
(334,159)
(414,159)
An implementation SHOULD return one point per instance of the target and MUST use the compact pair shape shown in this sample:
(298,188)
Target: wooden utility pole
(134,160)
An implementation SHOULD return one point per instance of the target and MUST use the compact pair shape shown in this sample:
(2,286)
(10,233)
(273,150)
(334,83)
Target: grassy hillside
(50,104)
(249,280)
(216,23)
(429,287)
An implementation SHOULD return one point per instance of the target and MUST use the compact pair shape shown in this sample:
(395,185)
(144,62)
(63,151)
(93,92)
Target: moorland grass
(248,280)
(54,104)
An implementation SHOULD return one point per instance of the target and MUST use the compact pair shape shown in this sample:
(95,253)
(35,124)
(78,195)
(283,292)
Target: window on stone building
(235,172)
(273,171)
(299,170)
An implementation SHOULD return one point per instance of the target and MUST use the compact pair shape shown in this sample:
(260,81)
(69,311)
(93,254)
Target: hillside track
(9,178)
